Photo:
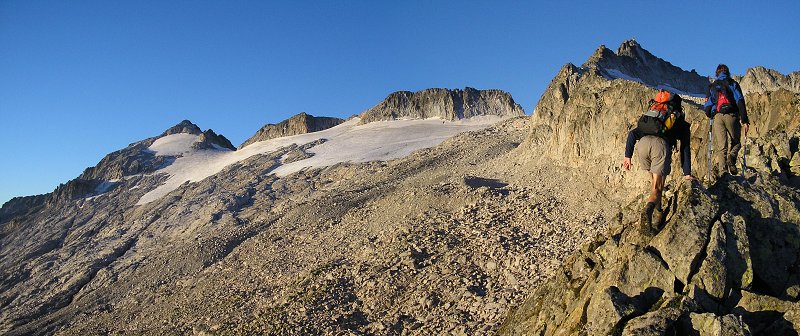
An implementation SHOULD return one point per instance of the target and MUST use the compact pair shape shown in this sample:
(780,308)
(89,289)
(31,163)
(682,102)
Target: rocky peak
(184,126)
(634,50)
(443,103)
(211,140)
(300,123)
(760,79)
(632,62)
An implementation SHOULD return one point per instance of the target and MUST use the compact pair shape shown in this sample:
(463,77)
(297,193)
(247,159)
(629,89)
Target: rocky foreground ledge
(724,263)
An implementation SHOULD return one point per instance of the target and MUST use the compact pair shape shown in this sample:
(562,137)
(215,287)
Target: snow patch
(682,93)
(617,74)
(174,144)
(346,142)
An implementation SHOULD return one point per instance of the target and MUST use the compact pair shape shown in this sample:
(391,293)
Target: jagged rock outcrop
(720,251)
(632,62)
(19,205)
(301,123)
(443,103)
(211,140)
(137,159)
(762,80)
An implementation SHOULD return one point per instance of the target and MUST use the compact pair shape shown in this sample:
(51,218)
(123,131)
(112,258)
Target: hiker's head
(676,102)
(722,68)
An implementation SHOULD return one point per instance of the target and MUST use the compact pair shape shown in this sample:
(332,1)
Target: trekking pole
(710,135)
(744,155)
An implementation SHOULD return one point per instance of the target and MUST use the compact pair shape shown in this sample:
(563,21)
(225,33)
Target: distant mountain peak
(633,62)
(443,103)
(300,123)
(184,126)
(760,79)
(211,140)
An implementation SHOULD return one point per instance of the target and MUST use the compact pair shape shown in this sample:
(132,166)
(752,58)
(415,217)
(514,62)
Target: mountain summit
(300,123)
(632,62)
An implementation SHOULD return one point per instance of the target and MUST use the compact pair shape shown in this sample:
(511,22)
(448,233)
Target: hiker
(681,131)
(726,107)
(655,136)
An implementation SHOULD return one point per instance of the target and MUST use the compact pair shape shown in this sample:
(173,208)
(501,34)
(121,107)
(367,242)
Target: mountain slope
(111,252)
(373,247)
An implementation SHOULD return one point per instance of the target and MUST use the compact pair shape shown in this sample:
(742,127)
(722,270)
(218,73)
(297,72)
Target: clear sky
(80,79)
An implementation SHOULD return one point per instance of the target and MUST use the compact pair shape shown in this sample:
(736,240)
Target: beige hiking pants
(727,131)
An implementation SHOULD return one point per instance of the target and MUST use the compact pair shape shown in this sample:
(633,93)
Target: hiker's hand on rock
(626,164)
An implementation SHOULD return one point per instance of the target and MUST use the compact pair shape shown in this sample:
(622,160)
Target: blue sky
(80,79)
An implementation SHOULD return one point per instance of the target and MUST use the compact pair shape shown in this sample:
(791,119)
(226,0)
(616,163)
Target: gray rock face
(631,61)
(211,140)
(762,80)
(443,103)
(707,324)
(19,205)
(301,123)
(683,239)
(583,119)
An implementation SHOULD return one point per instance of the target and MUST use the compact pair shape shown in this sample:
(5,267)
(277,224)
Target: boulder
(708,324)
(684,238)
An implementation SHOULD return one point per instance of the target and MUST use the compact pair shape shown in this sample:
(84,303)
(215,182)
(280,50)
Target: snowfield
(347,142)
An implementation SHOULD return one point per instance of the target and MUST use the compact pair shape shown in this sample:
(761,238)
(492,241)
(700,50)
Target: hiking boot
(646,221)
(731,163)
(658,218)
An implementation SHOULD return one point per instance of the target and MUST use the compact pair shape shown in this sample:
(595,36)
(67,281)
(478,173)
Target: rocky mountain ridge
(298,124)
(443,103)
(632,62)
(762,80)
